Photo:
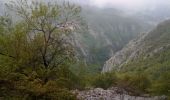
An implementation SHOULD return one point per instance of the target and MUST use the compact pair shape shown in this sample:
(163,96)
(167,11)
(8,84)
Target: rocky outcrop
(110,94)
(129,52)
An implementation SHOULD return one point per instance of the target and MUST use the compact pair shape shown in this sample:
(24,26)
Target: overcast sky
(129,4)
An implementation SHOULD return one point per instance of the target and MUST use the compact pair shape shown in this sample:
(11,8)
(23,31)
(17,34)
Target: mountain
(108,31)
(149,53)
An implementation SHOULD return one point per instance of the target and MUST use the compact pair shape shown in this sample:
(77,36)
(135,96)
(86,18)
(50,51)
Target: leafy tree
(36,50)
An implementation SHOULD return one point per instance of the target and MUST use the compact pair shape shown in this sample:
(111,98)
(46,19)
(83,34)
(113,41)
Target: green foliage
(21,86)
(105,80)
(133,83)
(136,84)
(161,85)
(32,85)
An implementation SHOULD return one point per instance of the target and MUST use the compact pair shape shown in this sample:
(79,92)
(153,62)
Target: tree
(37,45)
(48,29)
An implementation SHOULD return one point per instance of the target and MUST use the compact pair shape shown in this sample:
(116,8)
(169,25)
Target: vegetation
(104,80)
(157,68)
(146,75)
(134,83)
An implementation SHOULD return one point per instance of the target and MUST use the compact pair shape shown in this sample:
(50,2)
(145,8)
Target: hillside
(148,54)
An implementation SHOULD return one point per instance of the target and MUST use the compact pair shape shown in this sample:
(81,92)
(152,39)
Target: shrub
(135,84)
(162,85)
(105,80)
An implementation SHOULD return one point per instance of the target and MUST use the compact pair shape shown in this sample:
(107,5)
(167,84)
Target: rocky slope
(111,94)
(145,46)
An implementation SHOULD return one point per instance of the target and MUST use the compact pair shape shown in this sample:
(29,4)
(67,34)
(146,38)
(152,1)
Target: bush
(135,84)
(105,80)
(162,85)
(34,89)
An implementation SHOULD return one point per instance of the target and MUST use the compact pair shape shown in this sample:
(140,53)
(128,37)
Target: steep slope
(149,52)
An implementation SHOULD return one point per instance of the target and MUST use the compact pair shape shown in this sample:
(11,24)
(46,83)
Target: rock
(110,94)
(129,52)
